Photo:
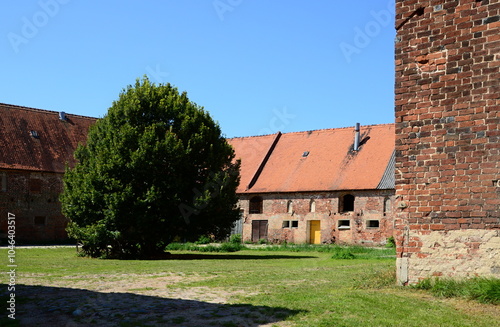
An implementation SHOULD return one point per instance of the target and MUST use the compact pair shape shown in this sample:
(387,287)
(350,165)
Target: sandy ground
(137,300)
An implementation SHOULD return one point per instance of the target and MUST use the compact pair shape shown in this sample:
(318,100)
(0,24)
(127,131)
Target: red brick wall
(447,136)
(28,196)
(368,205)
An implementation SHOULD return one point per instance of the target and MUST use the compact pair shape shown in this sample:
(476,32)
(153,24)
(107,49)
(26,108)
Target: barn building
(35,147)
(322,186)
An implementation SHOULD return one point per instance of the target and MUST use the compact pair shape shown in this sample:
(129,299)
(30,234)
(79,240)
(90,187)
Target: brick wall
(34,199)
(370,207)
(447,138)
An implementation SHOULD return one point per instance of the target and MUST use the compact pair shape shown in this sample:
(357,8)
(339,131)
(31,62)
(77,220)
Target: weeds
(224,247)
(484,290)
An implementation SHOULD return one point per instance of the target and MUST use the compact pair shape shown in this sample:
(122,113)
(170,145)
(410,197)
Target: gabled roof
(50,146)
(321,160)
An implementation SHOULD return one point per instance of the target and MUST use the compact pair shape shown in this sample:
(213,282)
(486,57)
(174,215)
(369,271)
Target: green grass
(484,290)
(305,280)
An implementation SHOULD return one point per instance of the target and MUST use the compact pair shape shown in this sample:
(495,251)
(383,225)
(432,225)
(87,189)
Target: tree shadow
(205,256)
(59,306)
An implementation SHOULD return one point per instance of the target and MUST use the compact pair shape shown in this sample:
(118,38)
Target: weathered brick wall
(447,138)
(368,205)
(34,199)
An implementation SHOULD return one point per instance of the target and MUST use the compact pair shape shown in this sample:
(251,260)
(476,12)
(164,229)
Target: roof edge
(13,106)
(313,130)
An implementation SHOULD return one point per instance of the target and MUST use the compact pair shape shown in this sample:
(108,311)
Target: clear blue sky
(258,66)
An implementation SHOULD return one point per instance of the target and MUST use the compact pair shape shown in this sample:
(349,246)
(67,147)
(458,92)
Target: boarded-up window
(35,185)
(312,206)
(255,205)
(259,230)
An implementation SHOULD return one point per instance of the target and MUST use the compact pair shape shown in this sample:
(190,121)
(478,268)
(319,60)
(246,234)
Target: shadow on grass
(58,306)
(205,256)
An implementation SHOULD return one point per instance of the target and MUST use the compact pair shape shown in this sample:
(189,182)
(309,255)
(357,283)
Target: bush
(203,240)
(235,239)
(230,247)
(391,242)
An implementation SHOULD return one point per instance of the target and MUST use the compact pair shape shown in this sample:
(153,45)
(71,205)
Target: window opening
(256,205)
(372,223)
(39,220)
(347,203)
(35,185)
(344,224)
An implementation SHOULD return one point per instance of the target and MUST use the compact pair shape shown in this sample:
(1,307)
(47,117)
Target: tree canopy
(155,168)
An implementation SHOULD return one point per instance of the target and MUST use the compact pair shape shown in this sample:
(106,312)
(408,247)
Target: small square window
(286,224)
(372,223)
(295,223)
(344,224)
(35,185)
(40,220)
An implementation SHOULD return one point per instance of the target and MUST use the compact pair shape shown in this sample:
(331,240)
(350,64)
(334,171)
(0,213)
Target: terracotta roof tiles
(321,160)
(52,146)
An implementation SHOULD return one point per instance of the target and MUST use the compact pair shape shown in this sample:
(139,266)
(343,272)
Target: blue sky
(258,66)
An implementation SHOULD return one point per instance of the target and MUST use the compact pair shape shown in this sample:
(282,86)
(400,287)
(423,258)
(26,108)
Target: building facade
(35,147)
(447,138)
(318,186)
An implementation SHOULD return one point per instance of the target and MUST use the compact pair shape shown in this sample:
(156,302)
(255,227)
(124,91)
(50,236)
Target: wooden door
(315,232)
(259,230)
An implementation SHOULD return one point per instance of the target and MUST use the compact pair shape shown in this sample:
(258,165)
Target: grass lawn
(246,288)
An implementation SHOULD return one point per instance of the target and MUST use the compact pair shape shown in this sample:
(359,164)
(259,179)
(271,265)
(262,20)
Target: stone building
(447,138)
(323,186)
(35,147)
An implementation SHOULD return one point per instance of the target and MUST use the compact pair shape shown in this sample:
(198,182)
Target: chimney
(356,138)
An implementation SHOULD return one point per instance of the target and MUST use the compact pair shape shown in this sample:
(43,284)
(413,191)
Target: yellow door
(314,232)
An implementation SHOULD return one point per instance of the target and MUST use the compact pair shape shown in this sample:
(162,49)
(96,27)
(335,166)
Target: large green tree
(155,168)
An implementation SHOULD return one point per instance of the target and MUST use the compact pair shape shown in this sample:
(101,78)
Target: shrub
(235,239)
(391,242)
(342,253)
(203,240)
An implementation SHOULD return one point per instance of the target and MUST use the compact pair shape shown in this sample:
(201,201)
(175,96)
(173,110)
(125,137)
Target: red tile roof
(54,147)
(330,163)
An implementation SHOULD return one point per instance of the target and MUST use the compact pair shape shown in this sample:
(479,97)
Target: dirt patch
(138,300)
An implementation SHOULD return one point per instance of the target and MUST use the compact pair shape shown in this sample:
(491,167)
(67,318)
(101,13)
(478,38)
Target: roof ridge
(13,106)
(313,130)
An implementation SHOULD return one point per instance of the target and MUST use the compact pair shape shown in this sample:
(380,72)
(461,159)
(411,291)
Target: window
(347,203)
(40,220)
(387,205)
(289,206)
(312,206)
(372,224)
(290,224)
(344,224)
(255,205)
(35,185)
(4,182)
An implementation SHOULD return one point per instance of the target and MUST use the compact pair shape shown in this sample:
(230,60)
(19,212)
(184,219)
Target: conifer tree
(155,168)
